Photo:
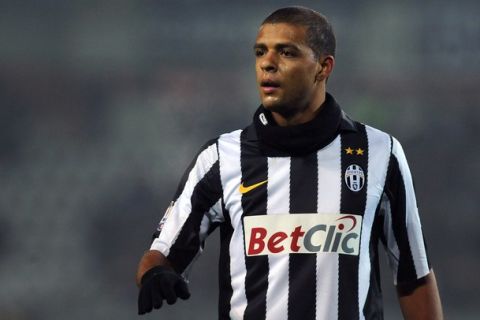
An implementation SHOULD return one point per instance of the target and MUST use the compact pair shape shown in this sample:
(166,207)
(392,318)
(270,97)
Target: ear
(325,67)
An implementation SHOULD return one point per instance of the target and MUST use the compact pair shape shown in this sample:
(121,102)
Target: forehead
(282,33)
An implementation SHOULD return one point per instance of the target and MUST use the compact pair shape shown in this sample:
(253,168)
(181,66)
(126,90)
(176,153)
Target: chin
(274,107)
(277,107)
(272,104)
(285,108)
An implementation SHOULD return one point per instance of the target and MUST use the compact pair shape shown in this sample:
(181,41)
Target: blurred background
(103,104)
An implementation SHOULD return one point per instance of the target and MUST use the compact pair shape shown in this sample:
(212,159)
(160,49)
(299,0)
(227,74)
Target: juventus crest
(354,177)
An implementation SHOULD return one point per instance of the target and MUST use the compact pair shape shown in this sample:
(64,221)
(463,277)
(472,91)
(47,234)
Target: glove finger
(181,288)
(144,301)
(157,298)
(168,291)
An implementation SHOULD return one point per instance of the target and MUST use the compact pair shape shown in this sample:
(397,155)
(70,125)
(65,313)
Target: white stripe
(231,173)
(183,206)
(414,228)
(278,203)
(329,189)
(378,156)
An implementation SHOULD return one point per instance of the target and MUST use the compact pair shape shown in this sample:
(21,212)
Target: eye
(259,52)
(287,53)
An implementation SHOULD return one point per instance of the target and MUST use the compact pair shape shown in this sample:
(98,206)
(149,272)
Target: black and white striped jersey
(299,227)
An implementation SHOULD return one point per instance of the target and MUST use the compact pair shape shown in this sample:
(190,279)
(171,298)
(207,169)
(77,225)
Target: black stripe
(224,277)
(184,179)
(395,191)
(254,169)
(205,194)
(373,308)
(302,267)
(351,202)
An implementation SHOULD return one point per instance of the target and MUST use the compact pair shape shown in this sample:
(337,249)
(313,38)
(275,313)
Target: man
(302,197)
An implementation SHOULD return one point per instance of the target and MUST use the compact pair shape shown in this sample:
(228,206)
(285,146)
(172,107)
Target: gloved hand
(160,283)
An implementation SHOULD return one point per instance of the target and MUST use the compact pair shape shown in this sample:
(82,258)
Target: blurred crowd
(104,104)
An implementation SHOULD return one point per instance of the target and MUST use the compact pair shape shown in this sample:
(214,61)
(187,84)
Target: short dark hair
(320,36)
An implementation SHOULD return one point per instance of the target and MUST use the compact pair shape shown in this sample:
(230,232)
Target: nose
(268,62)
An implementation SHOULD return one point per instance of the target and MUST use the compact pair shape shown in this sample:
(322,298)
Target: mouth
(270,83)
(269,86)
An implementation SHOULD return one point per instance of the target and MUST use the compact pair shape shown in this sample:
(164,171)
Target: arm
(181,233)
(416,285)
(157,282)
(150,259)
(422,301)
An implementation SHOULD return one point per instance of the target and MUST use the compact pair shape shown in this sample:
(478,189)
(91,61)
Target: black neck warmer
(298,140)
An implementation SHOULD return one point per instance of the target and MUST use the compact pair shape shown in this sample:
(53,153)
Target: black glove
(160,283)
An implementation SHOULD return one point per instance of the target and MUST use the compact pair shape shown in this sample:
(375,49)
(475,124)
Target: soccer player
(302,197)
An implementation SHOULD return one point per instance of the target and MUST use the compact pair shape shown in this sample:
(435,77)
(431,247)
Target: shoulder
(209,151)
(206,156)
(374,135)
(378,138)
(233,136)
(381,142)
(230,139)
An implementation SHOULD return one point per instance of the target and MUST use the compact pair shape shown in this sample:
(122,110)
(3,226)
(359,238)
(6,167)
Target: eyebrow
(278,46)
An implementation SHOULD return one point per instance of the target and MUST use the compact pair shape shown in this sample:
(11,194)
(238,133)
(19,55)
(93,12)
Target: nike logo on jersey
(244,189)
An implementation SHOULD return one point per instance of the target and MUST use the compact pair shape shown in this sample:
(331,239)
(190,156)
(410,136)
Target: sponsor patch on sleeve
(302,233)
(165,217)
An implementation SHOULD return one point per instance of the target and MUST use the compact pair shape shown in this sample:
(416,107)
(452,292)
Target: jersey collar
(304,138)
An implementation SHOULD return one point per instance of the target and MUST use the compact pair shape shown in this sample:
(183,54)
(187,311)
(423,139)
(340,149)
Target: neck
(303,115)
(302,139)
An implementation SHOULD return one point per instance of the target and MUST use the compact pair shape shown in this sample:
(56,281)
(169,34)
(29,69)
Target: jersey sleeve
(195,211)
(402,231)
